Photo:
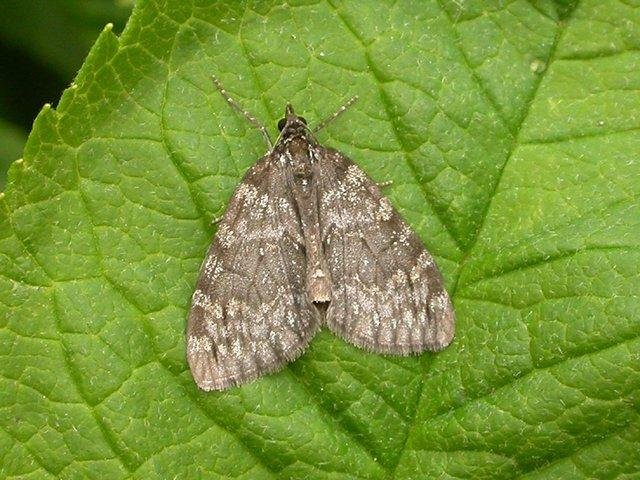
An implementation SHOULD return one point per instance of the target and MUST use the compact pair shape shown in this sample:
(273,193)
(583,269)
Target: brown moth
(308,239)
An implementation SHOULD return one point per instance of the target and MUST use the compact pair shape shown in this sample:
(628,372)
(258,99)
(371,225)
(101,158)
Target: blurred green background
(42,45)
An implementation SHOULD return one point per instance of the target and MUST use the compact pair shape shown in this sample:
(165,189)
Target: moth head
(291,122)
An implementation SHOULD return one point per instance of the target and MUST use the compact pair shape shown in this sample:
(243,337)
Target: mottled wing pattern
(249,314)
(388,295)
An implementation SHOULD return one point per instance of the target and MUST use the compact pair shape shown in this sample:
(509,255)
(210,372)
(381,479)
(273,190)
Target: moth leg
(385,184)
(252,120)
(216,220)
(335,114)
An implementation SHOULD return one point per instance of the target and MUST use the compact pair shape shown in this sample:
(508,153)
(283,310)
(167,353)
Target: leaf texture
(510,131)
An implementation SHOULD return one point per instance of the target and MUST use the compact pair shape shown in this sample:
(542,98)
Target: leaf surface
(510,133)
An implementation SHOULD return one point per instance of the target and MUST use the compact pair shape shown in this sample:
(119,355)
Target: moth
(309,240)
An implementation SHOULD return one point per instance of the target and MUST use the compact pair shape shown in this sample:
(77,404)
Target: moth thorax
(301,160)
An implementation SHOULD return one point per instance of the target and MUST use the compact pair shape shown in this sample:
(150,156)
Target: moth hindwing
(308,239)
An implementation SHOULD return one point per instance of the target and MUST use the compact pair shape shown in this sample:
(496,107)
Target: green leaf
(44,43)
(510,131)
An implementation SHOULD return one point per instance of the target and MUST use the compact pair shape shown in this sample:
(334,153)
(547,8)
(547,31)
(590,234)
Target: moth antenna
(252,120)
(334,115)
